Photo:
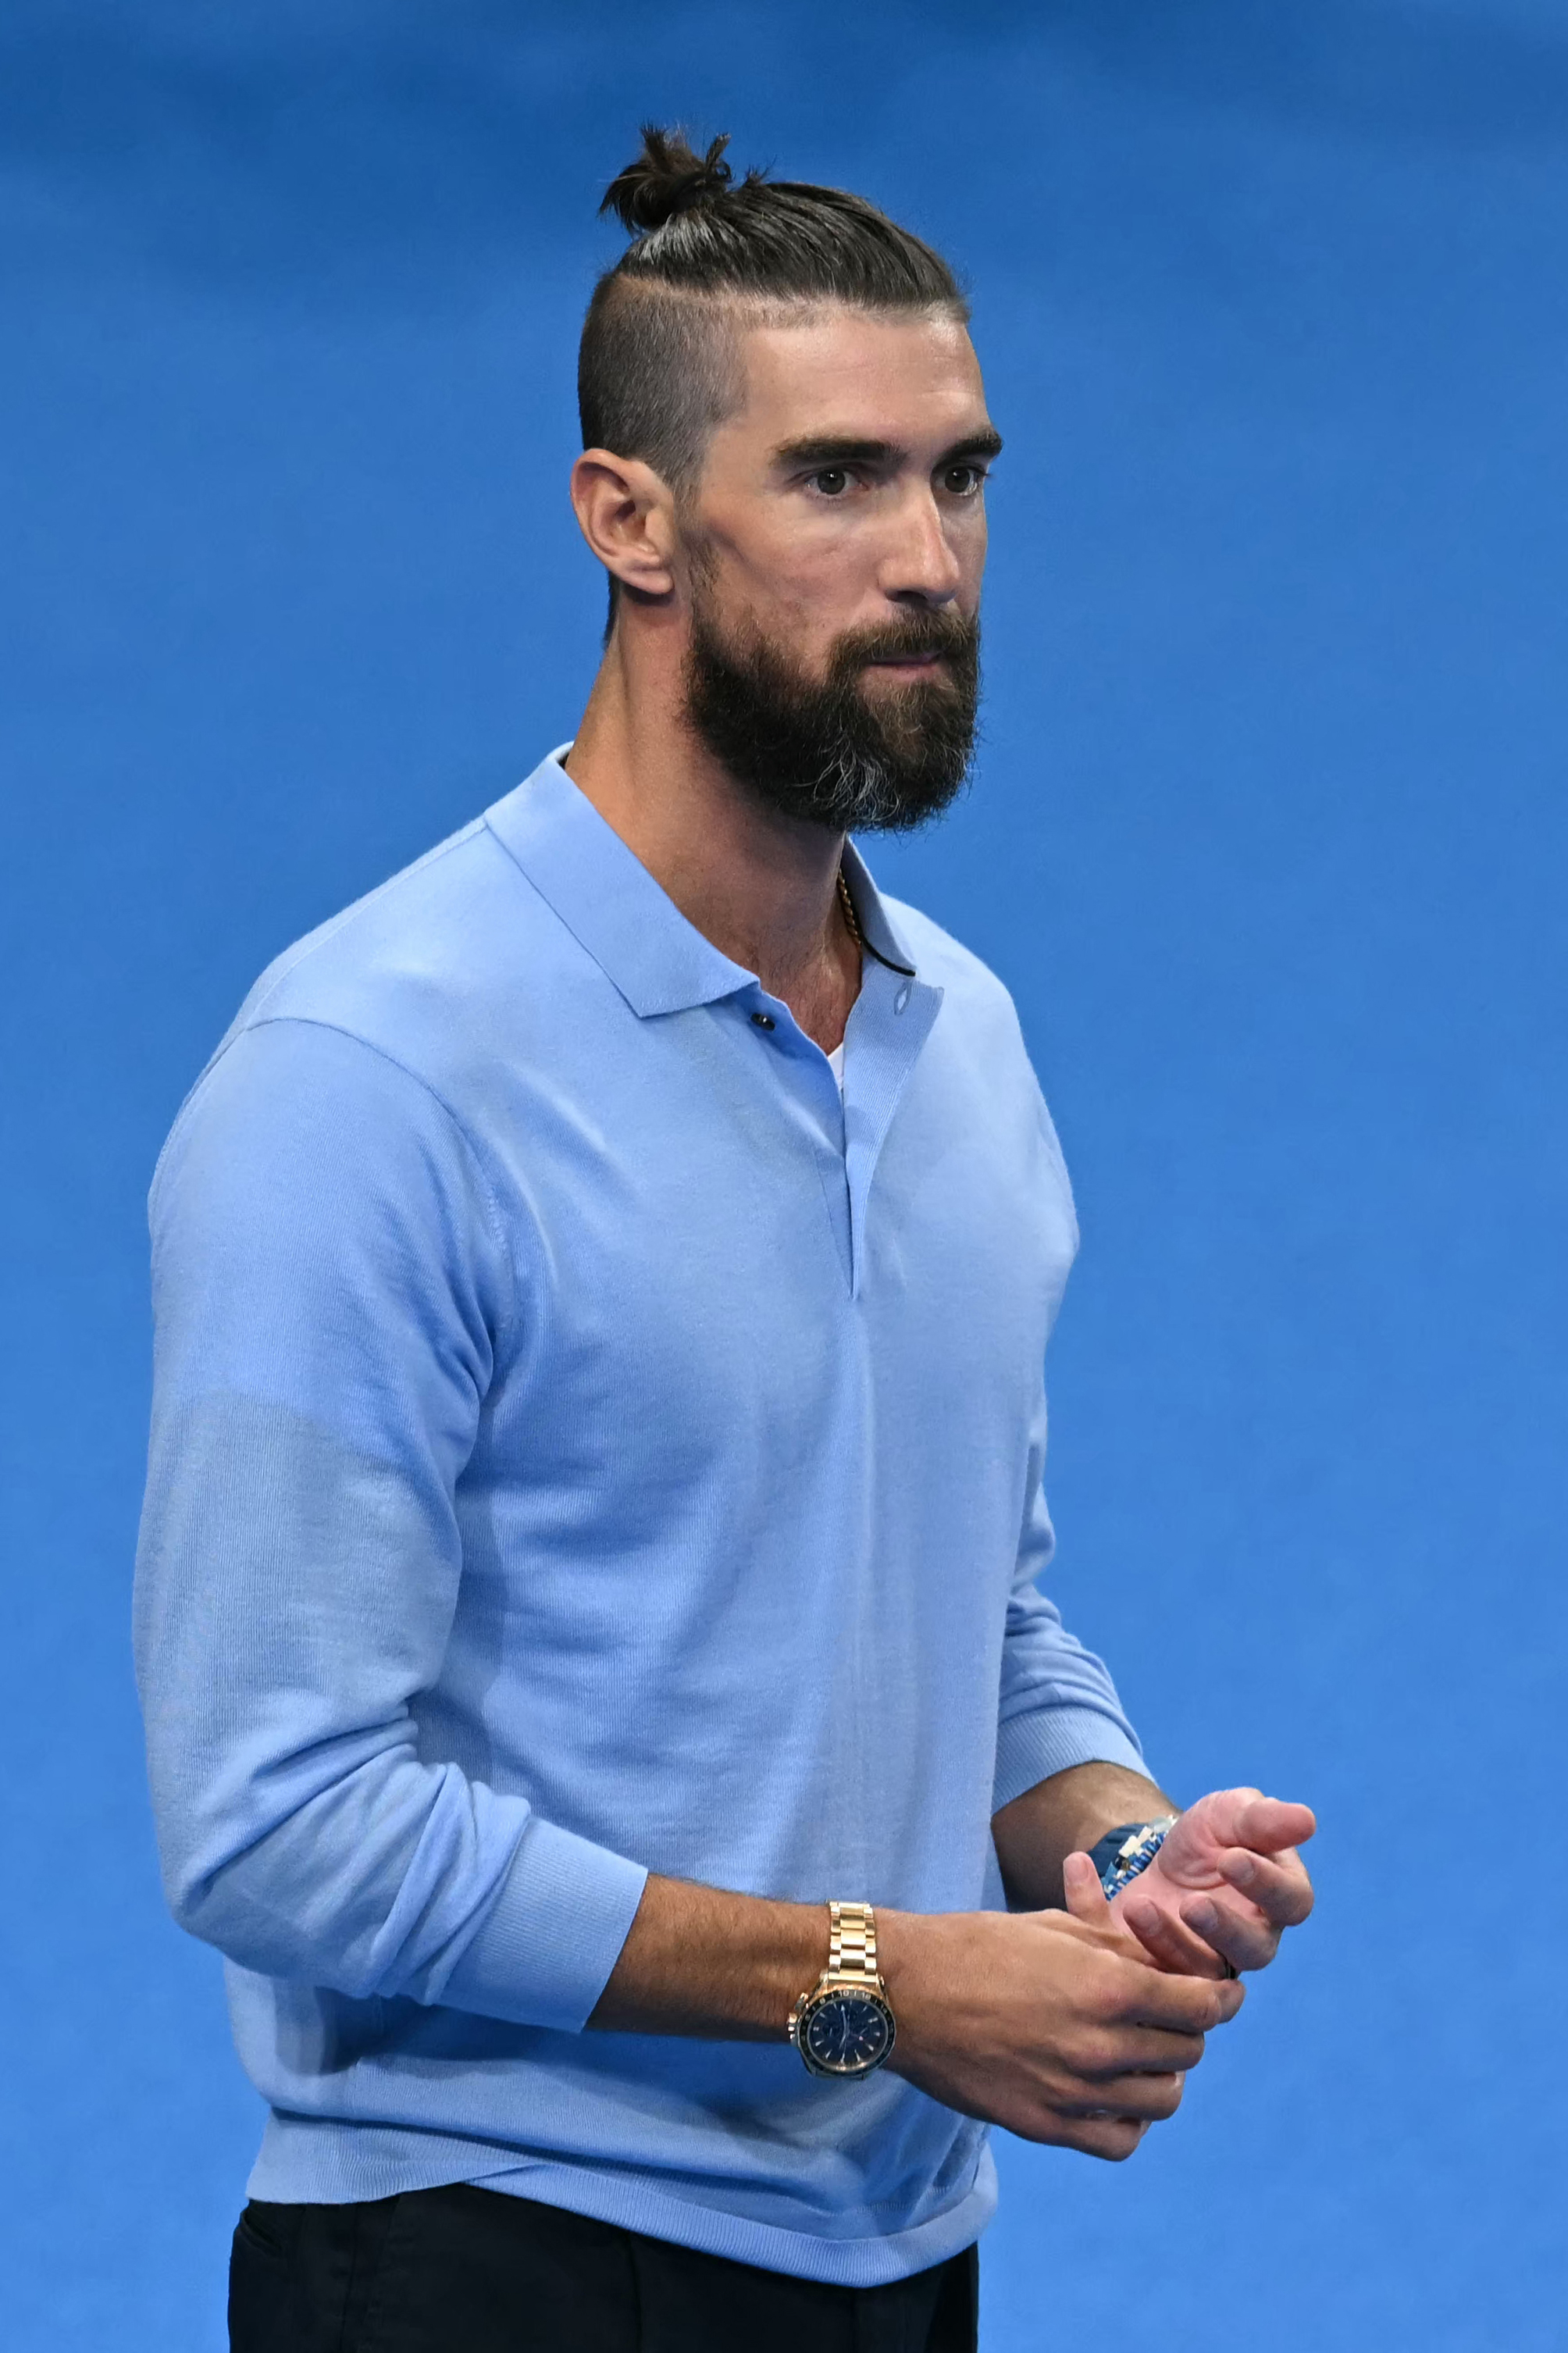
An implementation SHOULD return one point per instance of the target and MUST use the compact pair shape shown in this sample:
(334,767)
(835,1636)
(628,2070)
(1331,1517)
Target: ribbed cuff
(546,1952)
(1047,1740)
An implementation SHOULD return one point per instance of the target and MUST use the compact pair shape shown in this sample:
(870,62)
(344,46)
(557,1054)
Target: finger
(1185,2005)
(1148,2099)
(1101,2055)
(1086,1903)
(1111,2138)
(1280,1889)
(1168,1941)
(1237,1933)
(1086,1898)
(1269,1825)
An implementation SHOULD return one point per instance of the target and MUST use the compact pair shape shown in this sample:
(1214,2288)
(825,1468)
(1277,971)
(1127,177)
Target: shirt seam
(486,1192)
(292,959)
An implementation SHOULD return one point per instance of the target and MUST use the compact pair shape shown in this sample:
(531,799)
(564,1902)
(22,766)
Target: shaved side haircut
(656,369)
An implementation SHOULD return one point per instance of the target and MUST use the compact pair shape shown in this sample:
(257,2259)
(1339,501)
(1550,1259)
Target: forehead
(906,377)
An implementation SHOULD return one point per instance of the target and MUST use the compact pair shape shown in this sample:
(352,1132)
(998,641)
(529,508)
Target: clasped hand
(1223,1887)
(1059,2030)
(1081,2028)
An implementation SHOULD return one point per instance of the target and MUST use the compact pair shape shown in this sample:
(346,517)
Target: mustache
(955,636)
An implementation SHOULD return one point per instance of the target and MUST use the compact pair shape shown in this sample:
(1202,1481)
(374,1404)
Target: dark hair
(656,369)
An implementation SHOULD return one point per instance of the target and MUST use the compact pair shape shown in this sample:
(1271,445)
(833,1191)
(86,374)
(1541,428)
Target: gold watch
(844,2027)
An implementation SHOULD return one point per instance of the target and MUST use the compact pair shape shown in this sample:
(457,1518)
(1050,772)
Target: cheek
(967,537)
(799,604)
(789,553)
(805,574)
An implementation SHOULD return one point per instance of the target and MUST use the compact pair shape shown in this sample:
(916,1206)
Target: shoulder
(386,1017)
(404,966)
(337,1110)
(431,969)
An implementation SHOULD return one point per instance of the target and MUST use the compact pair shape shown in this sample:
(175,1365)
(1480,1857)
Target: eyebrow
(838,449)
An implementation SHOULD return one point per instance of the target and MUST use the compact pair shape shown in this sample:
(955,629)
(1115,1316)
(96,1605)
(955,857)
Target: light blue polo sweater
(584,1445)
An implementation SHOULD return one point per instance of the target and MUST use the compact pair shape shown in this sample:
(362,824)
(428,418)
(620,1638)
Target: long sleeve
(1059,1705)
(331,1288)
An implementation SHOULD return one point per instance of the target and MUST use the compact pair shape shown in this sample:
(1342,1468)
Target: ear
(626,513)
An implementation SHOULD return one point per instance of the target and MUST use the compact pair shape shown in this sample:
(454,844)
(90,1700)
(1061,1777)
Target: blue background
(1267,838)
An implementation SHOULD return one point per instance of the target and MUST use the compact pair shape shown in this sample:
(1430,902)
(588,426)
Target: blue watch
(1124,1852)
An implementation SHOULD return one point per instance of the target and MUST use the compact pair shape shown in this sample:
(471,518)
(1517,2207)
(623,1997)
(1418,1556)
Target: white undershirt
(836,1058)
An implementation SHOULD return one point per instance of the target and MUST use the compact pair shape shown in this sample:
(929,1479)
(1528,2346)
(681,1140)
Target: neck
(763,887)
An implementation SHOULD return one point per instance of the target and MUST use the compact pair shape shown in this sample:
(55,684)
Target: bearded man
(599,1697)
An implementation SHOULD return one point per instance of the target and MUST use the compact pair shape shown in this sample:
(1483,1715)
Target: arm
(329,1292)
(1066,1815)
(1056,2029)
(1227,1882)
(1067,1763)
(1060,1726)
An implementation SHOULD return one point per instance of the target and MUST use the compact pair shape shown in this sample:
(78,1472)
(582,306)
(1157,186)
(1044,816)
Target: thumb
(1085,1896)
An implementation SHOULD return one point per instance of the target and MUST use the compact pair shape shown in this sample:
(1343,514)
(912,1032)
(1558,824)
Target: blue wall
(1268,838)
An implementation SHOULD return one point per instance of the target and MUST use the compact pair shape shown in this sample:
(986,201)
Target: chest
(681,1231)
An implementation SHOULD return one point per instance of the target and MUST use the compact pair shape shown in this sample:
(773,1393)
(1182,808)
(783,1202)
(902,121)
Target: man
(598,1696)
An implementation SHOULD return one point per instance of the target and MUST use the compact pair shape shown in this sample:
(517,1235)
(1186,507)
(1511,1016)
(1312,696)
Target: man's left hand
(1223,1887)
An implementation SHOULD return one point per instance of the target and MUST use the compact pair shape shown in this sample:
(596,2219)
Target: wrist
(934,1965)
(898,1937)
(1125,1804)
(1126,1851)
(1065,1815)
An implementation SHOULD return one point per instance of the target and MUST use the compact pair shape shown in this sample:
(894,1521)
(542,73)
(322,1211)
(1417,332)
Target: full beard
(821,750)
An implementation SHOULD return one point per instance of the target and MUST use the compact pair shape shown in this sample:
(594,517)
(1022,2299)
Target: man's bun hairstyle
(657,370)
(666,178)
(698,229)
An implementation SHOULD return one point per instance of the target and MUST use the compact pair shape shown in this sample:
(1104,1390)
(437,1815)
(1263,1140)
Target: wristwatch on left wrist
(844,2026)
(1131,1848)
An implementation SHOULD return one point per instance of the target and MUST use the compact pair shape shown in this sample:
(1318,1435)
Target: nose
(922,566)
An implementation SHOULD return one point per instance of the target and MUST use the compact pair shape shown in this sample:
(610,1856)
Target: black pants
(476,2271)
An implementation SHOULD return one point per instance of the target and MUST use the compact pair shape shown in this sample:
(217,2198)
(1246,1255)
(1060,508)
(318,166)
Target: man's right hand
(1063,2032)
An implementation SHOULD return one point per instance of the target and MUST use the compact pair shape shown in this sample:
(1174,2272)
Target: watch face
(845,2033)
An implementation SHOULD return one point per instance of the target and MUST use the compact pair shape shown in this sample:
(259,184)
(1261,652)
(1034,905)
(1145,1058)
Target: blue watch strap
(1131,1848)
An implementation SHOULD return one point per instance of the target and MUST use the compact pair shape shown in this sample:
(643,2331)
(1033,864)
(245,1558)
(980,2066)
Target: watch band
(852,1941)
(1124,1852)
(844,2027)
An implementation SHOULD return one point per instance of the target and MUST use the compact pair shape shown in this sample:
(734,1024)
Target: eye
(962,481)
(831,480)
